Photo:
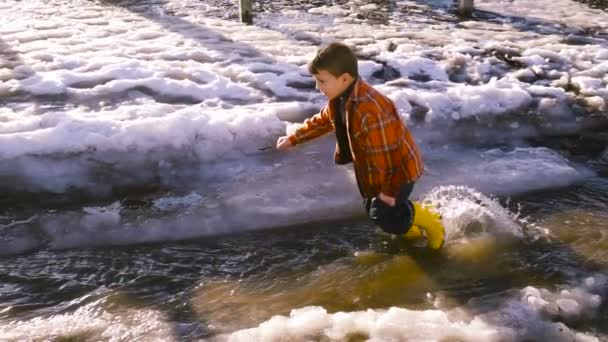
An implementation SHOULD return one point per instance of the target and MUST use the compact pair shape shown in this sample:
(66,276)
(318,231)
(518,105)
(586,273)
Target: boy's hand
(283,143)
(387,199)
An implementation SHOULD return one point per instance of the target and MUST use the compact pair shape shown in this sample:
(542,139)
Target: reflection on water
(343,285)
(577,216)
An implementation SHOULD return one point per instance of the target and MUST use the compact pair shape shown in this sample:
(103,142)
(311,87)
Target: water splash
(467,212)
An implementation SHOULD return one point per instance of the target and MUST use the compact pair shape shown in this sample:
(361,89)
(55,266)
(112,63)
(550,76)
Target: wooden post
(465,8)
(246,11)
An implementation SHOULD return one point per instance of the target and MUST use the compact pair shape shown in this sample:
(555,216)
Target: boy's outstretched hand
(283,143)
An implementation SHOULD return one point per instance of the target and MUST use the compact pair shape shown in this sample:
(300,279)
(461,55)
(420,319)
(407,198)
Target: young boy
(371,135)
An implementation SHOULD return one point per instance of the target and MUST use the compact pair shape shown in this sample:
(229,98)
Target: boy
(371,135)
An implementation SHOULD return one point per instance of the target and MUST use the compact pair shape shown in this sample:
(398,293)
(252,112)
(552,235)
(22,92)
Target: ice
(171,203)
(419,67)
(99,98)
(520,317)
(494,171)
(572,301)
(376,325)
(300,187)
(91,320)
(586,84)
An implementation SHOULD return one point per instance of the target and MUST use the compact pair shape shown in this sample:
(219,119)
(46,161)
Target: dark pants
(393,220)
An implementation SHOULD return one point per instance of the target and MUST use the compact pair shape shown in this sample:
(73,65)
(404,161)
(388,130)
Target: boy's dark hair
(335,58)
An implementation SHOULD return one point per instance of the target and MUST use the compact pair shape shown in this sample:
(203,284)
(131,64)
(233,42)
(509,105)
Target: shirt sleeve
(383,133)
(313,127)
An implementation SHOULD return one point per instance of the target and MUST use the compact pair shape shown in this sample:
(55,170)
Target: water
(599,4)
(199,289)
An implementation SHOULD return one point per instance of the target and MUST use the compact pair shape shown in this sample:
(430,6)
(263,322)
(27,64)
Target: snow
(520,317)
(98,97)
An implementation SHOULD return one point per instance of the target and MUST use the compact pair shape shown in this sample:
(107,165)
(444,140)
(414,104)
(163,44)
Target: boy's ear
(346,77)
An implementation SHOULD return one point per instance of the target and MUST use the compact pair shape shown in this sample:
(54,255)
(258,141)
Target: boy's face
(330,85)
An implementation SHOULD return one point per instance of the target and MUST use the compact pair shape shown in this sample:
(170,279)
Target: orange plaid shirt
(384,153)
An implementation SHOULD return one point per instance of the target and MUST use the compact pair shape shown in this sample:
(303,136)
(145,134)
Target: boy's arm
(313,127)
(383,133)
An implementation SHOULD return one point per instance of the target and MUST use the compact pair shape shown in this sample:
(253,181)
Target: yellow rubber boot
(413,234)
(430,222)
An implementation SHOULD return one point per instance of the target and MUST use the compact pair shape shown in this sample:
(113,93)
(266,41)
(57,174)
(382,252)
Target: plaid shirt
(384,153)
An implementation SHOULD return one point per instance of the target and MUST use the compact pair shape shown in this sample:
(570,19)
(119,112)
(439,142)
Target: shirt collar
(348,91)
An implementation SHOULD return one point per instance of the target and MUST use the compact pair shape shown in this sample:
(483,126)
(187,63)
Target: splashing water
(466,212)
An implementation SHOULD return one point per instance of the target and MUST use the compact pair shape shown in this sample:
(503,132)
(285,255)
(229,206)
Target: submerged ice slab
(274,189)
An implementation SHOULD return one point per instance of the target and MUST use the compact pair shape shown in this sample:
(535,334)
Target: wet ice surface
(280,191)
